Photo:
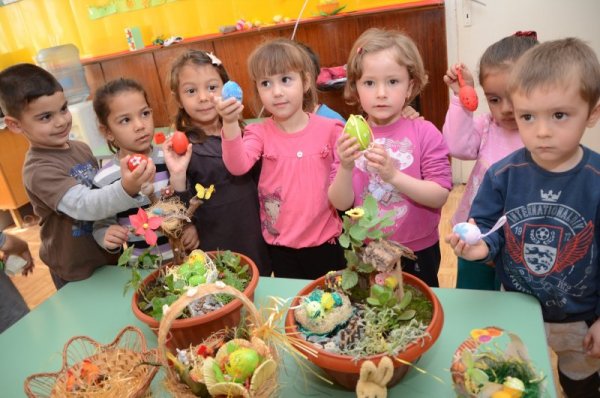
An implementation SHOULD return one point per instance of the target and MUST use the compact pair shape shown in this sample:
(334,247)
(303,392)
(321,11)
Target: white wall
(551,19)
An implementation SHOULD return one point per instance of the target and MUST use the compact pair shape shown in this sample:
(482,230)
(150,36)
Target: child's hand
(189,238)
(230,109)
(379,160)
(410,113)
(28,268)
(115,236)
(474,252)
(451,77)
(132,181)
(348,150)
(591,341)
(176,164)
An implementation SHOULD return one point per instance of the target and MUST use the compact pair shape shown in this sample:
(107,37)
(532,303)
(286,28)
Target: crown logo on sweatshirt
(550,196)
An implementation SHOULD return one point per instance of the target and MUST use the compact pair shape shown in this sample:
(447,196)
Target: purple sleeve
(240,154)
(461,131)
(435,165)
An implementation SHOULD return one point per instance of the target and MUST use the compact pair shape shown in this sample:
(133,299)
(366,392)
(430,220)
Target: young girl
(125,119)
(297,151)
(486,138)
(407,167)
(229,220)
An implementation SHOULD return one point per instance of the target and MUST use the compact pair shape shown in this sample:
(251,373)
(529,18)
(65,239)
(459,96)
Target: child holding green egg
(405,167)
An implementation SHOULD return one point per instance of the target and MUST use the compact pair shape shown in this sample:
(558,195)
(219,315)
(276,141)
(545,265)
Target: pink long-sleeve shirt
(417,149)
(295,175)
(475,138)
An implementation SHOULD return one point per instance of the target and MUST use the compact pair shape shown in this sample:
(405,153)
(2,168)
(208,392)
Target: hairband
(526,33)
(213,59)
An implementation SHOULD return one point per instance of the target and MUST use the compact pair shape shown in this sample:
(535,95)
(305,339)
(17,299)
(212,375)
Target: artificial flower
(355,213)
(145,226)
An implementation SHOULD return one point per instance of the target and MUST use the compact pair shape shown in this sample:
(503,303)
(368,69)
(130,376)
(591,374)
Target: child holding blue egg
(229,220)
(297,149)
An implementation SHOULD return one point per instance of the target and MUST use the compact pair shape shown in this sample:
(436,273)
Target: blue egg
(232,89)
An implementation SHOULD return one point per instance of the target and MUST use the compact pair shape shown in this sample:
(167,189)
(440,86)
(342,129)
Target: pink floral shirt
(475,138)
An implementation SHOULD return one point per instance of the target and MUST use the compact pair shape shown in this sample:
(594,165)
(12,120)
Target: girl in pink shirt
(486,138)
(406,169)
(297,151)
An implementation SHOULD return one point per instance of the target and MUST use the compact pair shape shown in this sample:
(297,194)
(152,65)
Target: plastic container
(64,64)
(85,126)
(14,265)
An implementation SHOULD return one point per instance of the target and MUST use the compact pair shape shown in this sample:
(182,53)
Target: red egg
(135,160)
(179,143)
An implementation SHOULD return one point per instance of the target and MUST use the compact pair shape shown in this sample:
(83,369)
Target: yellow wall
(30,25)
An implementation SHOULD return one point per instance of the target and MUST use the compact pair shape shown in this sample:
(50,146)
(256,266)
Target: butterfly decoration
(203,192)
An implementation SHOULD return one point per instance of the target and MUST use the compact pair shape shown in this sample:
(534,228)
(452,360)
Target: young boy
(550,193)
(58,174)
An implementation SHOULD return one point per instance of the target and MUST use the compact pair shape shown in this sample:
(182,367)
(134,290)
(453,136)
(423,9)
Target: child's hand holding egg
(470,233)
(232,89)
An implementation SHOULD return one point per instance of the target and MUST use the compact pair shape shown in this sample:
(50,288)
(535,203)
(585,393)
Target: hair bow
(526,33)
(213,59)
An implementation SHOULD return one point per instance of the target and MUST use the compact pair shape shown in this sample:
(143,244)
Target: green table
(97,308)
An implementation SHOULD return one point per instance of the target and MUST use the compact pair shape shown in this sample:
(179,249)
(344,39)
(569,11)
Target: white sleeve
(86,204)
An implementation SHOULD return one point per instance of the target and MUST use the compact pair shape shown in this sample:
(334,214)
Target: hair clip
(213,59)
(526,33)
(359,50)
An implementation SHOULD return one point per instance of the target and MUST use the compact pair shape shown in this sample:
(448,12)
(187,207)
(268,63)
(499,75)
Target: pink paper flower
(145,226)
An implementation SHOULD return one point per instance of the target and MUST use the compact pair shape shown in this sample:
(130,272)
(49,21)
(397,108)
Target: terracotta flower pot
(195,330)
(343,369)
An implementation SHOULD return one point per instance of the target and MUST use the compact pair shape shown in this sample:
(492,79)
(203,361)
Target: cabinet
(13,148)
(330,37)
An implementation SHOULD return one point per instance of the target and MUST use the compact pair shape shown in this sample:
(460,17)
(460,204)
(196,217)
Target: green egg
(196,280)
(357,127)
(242,363)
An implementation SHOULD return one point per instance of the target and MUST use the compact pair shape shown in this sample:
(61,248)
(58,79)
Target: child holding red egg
(485,138)
(125,119)
(58,174)
(406,167)
(229,220)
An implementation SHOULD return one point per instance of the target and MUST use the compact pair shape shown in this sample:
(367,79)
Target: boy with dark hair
(550,194)
(58,174)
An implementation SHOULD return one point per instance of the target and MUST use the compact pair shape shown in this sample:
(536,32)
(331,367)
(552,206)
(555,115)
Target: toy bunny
(374,379)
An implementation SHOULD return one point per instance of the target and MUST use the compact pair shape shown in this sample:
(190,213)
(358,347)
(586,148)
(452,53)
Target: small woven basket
(122,367)
(253,320)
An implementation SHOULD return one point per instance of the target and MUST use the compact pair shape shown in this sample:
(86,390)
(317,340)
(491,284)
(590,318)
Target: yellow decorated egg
(242,363)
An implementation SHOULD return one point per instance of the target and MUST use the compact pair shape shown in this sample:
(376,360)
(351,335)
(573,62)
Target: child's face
(130,123)
(383,87)
(45,121)
(197,84)
(282,94)
(551,122)
(494,86)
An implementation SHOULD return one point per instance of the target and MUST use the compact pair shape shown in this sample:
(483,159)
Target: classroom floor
(38,287)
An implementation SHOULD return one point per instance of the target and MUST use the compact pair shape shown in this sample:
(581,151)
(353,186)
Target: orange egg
(179,143)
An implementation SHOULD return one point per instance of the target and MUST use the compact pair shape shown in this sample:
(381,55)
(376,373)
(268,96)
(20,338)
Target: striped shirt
(110,173)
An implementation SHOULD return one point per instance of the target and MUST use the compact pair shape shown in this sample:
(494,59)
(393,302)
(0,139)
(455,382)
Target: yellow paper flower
(204,193)
(355,213)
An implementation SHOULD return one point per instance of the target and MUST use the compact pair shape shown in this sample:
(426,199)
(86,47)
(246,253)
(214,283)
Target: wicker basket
(486,347)
(253,320)
(120,369)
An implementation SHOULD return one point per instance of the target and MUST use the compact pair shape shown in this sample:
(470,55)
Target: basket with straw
(223,364)
(494,363)
(123,368)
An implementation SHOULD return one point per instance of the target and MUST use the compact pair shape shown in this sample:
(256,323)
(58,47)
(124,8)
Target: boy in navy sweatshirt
(550,194)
